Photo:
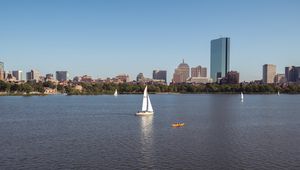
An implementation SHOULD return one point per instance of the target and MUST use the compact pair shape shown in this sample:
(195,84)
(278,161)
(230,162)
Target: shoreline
(160,93)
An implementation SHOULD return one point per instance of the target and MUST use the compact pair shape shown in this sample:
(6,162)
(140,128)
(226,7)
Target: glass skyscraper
(219,58)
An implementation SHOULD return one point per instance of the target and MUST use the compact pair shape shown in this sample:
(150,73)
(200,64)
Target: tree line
(127,88)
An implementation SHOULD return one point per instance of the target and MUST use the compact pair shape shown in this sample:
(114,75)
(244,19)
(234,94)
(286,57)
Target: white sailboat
(278,94)
(116,93)
(146,107)
(242,97)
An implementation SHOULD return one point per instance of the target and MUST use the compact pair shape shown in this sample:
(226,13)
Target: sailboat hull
(144,113)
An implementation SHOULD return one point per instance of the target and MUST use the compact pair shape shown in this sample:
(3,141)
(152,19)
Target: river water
(101,132)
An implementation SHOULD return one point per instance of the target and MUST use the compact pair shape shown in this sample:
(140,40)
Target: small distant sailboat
(116,93)
(278,93)
(242,97)
(146,107)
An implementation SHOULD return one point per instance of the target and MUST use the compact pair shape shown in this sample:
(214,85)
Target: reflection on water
(146,140)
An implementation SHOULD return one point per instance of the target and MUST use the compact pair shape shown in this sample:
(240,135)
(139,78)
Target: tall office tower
(219,58)
(182,73)
(198,71)
(160,75)
(269,72)
(33,75)
(18,75)
(62,76)
(1,71)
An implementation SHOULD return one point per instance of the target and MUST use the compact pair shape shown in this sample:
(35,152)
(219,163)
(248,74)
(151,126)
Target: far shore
(159,93)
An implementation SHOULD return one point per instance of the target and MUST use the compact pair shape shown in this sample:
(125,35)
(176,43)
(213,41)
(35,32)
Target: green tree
(4,87)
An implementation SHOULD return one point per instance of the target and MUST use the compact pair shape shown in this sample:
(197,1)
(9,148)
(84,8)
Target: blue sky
(104,38)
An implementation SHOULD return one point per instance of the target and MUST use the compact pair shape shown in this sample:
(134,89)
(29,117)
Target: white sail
(242,96)
(147,107)
(150,109)
(116,93)
(144,107)
(278,93)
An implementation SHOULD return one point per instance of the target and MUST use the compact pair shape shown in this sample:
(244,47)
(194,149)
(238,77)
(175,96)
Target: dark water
(101,132)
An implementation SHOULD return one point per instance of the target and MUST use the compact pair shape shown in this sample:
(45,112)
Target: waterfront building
(199,80)
(33,75)
(123,78)
(280,78)
(49,76)
(10,78)
(18,74)
(62,76)
(269,72)
(292,74)
(77,79)
(232,77)
(87,79)
(28,76)
(182,73)
(140,77)
(157,82)
(219,58)
(2,71)
(198,71)
(159,75)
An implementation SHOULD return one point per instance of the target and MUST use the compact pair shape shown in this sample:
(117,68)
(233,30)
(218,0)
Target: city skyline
(104,39)
(290,74)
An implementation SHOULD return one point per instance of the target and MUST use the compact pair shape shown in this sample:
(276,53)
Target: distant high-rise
(1,71)
(28,76)
(182,73)
(18,75)
(219,58)
(140,77)
(33,75)
(269,72)
(292,74)
(198,71)
(160,75)
(62,76)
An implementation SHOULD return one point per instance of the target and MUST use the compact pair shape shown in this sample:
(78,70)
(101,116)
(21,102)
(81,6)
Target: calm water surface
(101,132)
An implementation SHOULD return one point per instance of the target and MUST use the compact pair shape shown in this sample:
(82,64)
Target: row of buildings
(183,74)
(219,72)
(158,77)
(291,75)
(220,69)
(32,75)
